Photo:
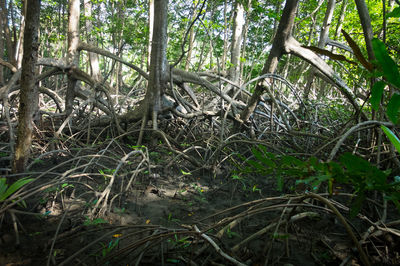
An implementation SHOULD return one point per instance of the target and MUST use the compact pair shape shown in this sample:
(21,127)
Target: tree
(236,43)
(73,53)
(158,76)
(322,42)
(93,57)
(28,105)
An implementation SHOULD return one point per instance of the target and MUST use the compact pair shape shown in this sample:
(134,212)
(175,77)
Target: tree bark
(93,57)
(151,27)
(73,53)
(20,50)
(278,49)
(322,42)
(367,27)
(236,43)
(29,95)
(7,33)
(1,53)
(158,62)
(284,43)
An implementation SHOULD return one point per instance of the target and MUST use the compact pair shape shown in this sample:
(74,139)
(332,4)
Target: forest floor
(115,203)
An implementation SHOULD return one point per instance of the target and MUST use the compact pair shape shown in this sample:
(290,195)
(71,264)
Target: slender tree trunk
(236,43)
(321,43)
(278,49)
(191,42)
(340,20)
(29,92)
(366,25)
(73,53)
(1,52)
(93,57)
(245,32)
(7,33)
(158,62)
(225,52)
(20,50)
(151,26)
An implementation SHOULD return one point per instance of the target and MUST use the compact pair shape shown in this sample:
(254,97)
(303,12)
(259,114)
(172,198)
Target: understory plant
(351,170)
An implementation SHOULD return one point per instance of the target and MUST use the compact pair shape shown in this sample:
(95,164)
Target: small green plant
(350,170)
(231,234)
(89,222)
(171,219)
(107,248)
(6,191)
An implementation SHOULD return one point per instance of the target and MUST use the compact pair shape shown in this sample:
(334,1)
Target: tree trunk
(278,49)
(29,92)
(158,62)
(1,53)
(367,27)
(20,50)
(236,43)
(151,27)
(321,43)
(93,58)
(340,20)
(225,52)
(191,42)
(7,33)
(73,54)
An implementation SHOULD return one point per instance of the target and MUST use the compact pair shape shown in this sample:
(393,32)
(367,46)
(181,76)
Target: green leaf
(393,108)
(263,158)
(376,94)
(389,67)
(14,187)
(394,14)
(356,205)
(3,185)
(392,137)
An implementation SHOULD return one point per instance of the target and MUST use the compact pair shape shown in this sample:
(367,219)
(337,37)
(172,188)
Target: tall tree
(278,49)
(323,38)
(151,27)
(93,57)
(158,62)
(7,33)
(366,25)
(29,95)
(73,53)
(236,43)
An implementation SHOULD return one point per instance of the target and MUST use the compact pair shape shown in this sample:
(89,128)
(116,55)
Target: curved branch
(94,49)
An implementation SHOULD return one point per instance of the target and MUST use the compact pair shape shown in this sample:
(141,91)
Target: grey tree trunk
(73,53)
(366,25)
(236,43)
(7,32)
(29,95)
(151,27)
(321,43)
(278,49)
(284,43)
(1,53)
(158,75)
(93,57)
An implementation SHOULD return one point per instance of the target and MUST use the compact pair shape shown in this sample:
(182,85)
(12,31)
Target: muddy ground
(163,209)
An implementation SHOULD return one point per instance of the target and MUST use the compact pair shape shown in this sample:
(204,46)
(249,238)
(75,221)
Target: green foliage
(376,94)
(351,170)
(6,191)
(89,222)
(385,63)
(394,14)
(392,137)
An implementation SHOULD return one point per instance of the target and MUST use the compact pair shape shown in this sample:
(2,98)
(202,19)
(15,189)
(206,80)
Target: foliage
(351,170)
(6,191)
